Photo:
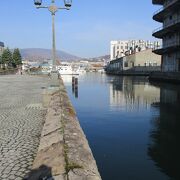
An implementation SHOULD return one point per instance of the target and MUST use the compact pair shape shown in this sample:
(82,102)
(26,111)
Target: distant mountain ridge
(40,54)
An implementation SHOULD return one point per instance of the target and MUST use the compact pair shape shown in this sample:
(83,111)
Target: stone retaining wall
(64,153)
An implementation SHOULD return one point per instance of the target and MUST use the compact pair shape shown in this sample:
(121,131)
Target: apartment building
(122,48)
(169,32)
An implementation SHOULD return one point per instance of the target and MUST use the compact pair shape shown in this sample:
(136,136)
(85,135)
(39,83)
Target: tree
(17,57)
(7,57)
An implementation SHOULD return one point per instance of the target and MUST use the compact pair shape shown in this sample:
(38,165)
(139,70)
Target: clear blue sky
(86,30)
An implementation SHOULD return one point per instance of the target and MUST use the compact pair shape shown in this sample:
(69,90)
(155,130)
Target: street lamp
(68,3)
(53,9)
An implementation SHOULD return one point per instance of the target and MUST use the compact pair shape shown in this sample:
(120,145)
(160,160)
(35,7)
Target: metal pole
(53,9)
(53,42)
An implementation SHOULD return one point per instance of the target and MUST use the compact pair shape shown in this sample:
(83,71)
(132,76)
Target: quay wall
(170,77)
(64,152)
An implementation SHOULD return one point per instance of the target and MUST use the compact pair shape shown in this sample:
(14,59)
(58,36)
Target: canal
(133,126)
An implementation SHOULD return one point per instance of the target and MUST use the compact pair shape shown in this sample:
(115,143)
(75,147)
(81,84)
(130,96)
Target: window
(170,17)
(126,64)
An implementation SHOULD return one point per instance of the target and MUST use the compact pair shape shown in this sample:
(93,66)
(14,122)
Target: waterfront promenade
(40,136)
(21,121)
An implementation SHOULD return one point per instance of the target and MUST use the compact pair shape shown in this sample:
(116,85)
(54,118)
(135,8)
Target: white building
(122,48)
(1,47)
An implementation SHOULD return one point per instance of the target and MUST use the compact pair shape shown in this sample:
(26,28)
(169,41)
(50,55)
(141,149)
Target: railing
(166,5)
(167,25)
(169,44)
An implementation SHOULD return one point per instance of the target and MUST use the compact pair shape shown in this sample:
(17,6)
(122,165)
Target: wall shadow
(42,173)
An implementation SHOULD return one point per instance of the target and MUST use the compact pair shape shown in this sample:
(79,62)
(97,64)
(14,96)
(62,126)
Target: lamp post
(53,9)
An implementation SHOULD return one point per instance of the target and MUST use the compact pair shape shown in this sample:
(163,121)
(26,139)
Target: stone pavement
(21,120)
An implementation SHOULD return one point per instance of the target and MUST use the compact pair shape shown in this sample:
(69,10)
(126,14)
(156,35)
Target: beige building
(145,61)
(144,58)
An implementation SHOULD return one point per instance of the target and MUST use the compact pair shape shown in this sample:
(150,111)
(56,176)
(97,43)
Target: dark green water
(133,127)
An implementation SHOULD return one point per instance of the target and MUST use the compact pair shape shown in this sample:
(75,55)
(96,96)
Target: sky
(85,31)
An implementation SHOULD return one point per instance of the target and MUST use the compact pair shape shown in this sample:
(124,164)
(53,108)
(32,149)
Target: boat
(66,69)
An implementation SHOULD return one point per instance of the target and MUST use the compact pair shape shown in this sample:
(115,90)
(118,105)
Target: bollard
(76,81)
(76,87)
(73,80)
(73,84)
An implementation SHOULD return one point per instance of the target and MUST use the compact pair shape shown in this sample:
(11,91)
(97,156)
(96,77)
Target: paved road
(21,119)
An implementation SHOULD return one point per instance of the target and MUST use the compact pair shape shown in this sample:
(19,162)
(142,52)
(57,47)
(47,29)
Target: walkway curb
(64,152)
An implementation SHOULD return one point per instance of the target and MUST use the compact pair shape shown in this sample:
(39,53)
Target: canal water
(133,126)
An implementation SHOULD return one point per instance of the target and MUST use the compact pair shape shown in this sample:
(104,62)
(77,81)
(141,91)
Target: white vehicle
(65,69)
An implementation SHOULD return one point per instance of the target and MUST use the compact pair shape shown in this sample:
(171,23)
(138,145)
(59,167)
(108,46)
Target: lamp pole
(53,9)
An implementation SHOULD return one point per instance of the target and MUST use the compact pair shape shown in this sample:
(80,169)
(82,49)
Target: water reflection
(133,127)
(132,93)
(165,136)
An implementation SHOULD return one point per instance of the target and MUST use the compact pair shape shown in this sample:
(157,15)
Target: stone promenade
(21,121)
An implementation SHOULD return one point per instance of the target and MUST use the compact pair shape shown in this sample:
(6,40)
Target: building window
(170,17)
(126,64)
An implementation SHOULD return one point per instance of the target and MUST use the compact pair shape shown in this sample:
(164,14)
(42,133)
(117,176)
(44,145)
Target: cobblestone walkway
(21,120)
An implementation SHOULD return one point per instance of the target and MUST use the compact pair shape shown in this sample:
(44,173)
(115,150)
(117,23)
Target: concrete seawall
(64,153)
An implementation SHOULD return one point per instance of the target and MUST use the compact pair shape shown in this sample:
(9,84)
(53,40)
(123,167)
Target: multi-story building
(118,49)
(122,48)
(1,47)
(143,62)
(169,15)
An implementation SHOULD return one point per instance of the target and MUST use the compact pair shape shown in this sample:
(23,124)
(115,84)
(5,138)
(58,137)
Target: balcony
(167,47)
(160,2)
(168,7)
(171,27)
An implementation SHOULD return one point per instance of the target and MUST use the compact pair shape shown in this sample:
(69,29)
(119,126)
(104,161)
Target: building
(118,49)
(1,47)
(141,62)
(169,15)
(122,48)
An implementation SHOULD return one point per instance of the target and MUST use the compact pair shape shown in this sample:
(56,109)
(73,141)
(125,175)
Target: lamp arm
(63,8)
(38,7)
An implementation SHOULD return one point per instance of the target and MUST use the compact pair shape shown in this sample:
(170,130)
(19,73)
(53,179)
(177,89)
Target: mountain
(38,54)
(100,58)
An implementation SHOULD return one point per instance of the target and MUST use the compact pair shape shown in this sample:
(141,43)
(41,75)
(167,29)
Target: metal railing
(169,44)
(166,5)
(171,23)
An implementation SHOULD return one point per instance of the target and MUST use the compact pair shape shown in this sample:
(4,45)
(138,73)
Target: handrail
(169,44)
(164,7)
(167,25)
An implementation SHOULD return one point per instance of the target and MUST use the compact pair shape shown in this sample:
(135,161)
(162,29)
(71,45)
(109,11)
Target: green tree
(17,57)
(7,57)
